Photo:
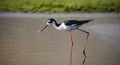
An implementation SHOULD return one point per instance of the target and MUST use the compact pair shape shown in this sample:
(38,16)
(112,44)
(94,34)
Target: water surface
(22,43)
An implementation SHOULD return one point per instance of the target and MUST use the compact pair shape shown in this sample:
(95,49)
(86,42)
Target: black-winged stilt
(70,25)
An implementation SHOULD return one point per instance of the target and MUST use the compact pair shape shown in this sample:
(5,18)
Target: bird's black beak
(44,28)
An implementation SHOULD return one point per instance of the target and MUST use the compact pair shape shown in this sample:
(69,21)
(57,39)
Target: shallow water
(22,43)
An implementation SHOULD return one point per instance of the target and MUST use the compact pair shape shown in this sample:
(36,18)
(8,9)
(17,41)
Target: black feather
(77,22)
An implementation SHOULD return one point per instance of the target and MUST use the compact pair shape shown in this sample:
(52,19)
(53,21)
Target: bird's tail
(86,21)
(91,19)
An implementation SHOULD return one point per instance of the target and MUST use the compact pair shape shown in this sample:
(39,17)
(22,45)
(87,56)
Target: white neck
(54,24)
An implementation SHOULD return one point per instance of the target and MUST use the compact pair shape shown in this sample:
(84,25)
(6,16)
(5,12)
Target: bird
(69,26)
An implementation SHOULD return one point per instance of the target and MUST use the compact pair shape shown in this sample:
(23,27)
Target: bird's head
(51,21)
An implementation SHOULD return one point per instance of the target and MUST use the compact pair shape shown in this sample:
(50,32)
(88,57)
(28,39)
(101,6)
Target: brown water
(22,43)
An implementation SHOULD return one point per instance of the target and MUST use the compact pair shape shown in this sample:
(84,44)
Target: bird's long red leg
(85,44)
(71,48)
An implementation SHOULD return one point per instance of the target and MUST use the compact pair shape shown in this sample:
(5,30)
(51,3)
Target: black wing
(77,22)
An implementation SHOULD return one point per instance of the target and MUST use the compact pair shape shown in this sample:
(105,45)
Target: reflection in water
(21,42)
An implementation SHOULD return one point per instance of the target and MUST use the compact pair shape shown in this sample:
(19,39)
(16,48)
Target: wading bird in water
(70,25)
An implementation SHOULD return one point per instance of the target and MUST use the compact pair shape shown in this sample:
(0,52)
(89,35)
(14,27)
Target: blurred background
(60,6)
(22,43)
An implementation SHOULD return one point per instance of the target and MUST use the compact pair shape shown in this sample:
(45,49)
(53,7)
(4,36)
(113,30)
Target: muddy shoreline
(56,15)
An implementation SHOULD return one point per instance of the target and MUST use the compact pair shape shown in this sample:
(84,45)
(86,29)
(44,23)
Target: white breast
(63,27)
